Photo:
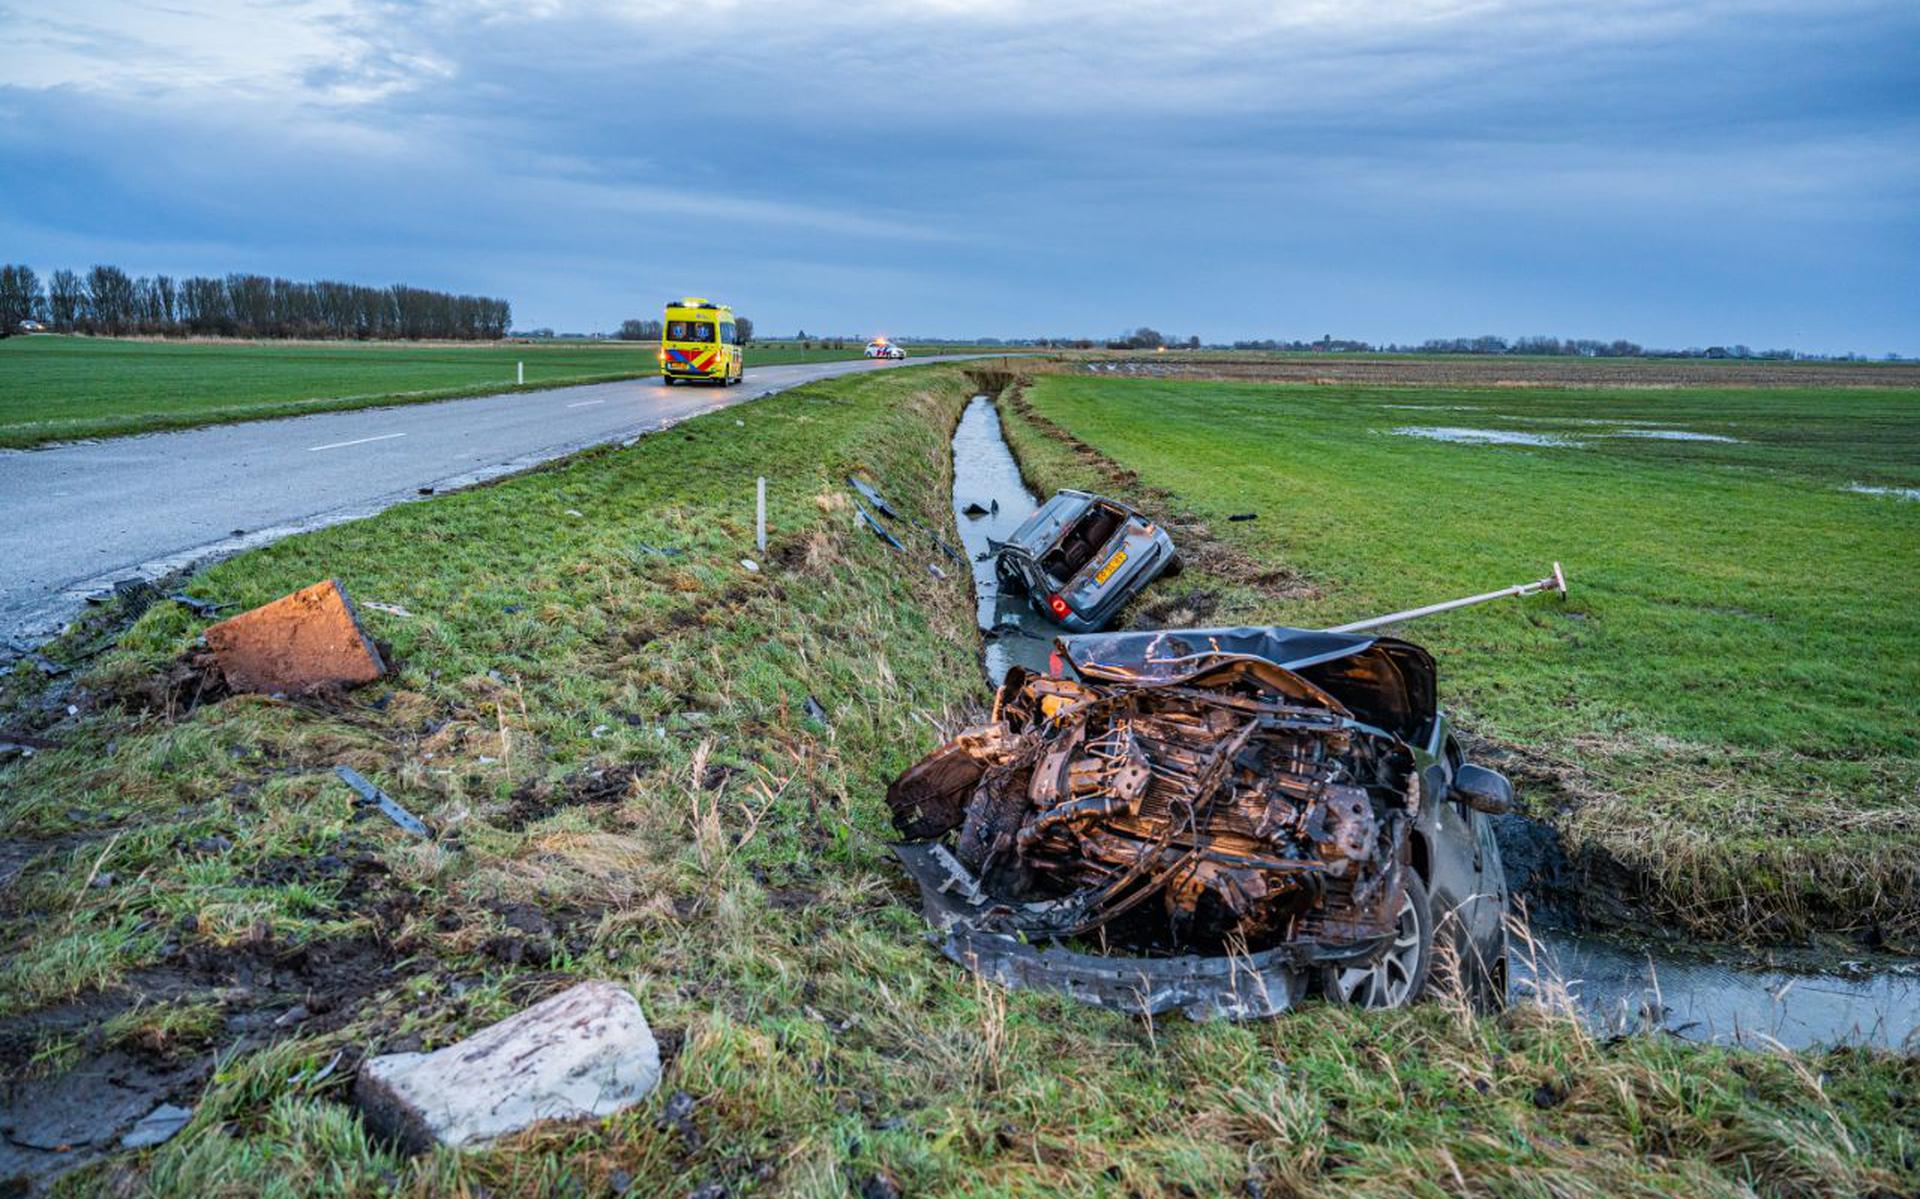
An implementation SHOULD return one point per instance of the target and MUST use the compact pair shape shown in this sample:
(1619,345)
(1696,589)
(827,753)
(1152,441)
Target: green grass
(1726,701)
(740,886)
(61,388)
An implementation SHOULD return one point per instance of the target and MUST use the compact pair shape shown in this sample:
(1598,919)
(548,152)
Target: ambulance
(699,340)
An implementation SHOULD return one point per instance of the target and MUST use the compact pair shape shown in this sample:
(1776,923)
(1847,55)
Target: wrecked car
(1221,821)
(1080,557)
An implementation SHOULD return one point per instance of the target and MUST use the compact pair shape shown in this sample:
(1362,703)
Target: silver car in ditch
(1080,557)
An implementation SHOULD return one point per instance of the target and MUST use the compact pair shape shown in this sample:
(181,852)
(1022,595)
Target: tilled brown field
(1476,371)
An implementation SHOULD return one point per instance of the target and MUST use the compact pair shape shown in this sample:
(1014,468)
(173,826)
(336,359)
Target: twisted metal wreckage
(1232,810)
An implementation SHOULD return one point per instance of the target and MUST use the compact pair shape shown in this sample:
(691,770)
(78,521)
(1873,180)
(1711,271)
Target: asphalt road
(79,517)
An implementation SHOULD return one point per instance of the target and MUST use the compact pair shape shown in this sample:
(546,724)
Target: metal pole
(1553,582)
(760,518)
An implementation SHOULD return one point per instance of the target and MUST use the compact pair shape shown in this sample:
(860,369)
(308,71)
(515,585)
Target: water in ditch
(990,499)
(1615,983)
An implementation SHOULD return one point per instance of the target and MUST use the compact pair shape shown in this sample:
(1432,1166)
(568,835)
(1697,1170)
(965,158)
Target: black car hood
(1382,680)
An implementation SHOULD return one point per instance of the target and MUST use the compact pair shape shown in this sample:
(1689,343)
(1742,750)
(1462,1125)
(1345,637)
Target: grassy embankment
(61,388)
(1724,705)
(612,746)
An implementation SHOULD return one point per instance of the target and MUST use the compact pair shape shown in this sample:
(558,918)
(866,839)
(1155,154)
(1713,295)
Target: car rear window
(1050,516)
(689,330)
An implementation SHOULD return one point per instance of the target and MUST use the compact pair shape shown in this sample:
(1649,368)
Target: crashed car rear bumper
(1241,987)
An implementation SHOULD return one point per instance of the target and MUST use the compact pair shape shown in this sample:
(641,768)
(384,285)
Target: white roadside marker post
(760,518)
(520,373)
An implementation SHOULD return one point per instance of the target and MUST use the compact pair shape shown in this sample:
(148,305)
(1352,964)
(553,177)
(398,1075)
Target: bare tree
(638,330)
(20,298)
(744,327)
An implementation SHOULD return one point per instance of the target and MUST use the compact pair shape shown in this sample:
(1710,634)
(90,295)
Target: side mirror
(1484,790)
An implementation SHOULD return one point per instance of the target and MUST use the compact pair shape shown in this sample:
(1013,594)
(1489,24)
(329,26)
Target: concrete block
(300,643)
(585,1053)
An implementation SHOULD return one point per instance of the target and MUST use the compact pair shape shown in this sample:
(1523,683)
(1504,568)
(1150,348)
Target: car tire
(669,380)
(1174,567)
(1399,975)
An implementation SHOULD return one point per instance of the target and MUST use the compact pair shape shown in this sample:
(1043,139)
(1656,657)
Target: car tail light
(1059,606)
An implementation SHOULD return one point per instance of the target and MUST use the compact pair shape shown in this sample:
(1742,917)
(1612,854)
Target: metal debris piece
(197,606)
(873,522)
(301,643)
(976,508)
(1244,516)
(815,712)
(380,799)
(157,1126)
(873,496)
(390,609)
(933,568)
(750,566)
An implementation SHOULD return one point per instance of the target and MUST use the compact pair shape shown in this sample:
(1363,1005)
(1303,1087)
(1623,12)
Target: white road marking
(586,403)
(357,441)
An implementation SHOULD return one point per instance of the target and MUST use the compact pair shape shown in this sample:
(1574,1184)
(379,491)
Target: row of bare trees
(107,300)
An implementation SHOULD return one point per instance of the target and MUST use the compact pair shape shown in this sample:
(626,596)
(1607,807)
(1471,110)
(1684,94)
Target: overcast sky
(1679,173)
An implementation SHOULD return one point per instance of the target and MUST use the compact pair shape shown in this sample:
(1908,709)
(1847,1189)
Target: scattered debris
(1244,516)
(585,1053)
(576,512)
(390,609)
(199,607)
(298,644)
(380,799)
(873,522)
(157,1126)
(750,566)
(974,508)
(873,496)
(815,711)
(426,491)
(933,568)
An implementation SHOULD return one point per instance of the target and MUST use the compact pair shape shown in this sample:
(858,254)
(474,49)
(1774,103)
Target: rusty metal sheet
(301,643)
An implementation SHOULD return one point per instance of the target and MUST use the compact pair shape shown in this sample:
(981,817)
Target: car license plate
(1114,563)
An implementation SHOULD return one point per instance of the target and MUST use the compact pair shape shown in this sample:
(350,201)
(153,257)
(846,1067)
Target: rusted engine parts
(1230,809)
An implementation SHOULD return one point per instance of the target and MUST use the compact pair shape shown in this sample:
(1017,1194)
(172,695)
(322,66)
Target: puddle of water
(1619,987)
(1899,493)
(1460,436)
(1614,985)
(984,471)
(1673,435)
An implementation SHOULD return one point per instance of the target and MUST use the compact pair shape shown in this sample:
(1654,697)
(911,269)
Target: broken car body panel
(1080,557)
(1233,808)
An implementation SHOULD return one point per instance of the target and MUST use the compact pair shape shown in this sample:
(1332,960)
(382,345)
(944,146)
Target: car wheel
(669,380)
(1174,567)
(1398,976)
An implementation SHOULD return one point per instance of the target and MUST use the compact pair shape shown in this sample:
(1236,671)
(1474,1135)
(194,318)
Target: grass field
(61,388)
(1725,705)
(603,716)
